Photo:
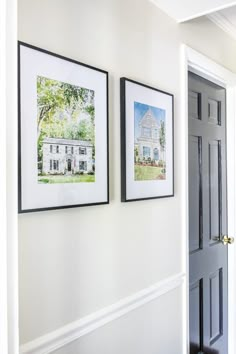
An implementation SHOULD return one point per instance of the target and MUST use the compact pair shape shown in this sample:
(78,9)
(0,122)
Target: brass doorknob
(227,240)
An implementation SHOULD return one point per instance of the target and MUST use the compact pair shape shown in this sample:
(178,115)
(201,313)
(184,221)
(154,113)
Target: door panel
(207,217)
(196,316)
(214,189)
(194,105)
(216,306)
(213,112)
(195,212)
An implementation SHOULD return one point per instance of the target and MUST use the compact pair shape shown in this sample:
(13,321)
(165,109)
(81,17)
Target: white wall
(138,332)
(74,262)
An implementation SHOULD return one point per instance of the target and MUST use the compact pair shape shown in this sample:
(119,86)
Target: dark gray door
(207,217)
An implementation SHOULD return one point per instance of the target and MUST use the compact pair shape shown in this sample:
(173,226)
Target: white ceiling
(184,10)
(226,20)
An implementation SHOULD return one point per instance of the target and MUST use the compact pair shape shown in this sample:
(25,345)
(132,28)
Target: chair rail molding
(73,331)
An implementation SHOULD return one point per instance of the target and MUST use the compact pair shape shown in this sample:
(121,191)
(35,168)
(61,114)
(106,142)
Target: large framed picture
(63,132)
(146,142)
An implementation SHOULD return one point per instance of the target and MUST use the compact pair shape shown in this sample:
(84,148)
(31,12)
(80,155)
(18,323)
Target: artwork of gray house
(148,142)
(67,157)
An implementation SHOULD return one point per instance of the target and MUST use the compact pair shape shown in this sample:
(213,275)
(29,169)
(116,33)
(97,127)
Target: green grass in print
(66,179)
(143,173)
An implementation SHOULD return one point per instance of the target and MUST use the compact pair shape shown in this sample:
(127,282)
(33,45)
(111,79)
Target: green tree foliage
(50,98)
(162,135)
(64,111)
(136,154)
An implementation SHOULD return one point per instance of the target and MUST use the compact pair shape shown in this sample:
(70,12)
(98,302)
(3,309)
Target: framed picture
(146,142)
(63,132)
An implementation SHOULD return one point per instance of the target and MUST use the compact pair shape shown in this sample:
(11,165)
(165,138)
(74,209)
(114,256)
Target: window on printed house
(56,165)
(146,151)
(147,132)
(83,166)
(82,151)
(155,134)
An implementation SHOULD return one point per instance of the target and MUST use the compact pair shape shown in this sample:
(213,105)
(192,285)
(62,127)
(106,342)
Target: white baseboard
(69,333)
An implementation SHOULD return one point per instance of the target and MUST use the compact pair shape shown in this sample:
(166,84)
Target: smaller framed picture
(147,146)
(63,132)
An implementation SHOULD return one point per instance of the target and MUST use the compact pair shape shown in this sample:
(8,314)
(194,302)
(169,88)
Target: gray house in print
(64,156)
(148,142)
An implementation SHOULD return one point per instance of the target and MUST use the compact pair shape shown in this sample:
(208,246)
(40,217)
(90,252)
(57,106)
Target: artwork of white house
(64,156)
(148,140)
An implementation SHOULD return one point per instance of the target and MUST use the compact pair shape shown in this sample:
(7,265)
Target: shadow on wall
(194,349)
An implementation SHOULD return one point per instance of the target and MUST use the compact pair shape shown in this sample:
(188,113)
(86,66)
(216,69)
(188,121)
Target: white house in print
(64,156)
(148,141)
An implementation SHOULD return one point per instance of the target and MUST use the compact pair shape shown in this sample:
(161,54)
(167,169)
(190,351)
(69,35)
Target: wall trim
(222,22)
(69,333)
(179,18)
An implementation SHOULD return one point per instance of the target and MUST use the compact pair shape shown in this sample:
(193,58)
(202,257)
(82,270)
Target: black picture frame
(131,188)
(104,199)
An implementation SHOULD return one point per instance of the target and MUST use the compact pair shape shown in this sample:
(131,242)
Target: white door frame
(207,68)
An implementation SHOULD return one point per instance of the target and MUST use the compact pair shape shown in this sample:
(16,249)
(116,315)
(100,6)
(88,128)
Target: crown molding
(185,11)
(222,22)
